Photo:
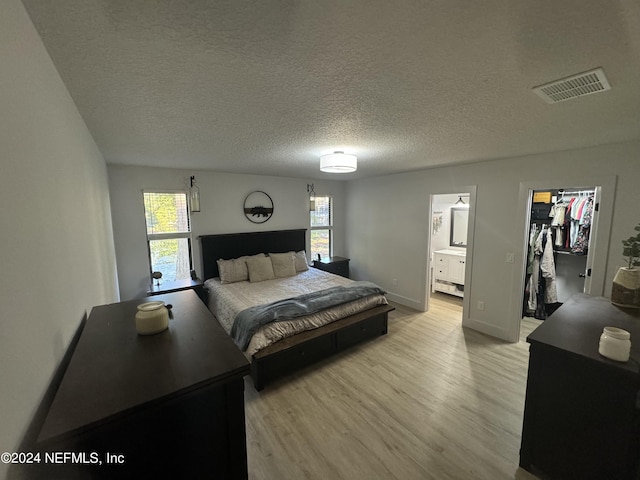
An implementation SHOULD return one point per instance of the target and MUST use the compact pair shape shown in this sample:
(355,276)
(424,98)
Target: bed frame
(299,350)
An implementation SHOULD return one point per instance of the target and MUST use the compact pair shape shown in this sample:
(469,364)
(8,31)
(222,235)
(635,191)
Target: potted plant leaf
(626,283)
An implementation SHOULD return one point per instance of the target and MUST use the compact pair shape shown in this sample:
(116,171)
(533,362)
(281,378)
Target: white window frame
(324,227)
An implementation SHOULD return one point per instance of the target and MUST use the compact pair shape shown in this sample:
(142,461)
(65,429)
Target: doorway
(559,259)
(448,249)
(582,272)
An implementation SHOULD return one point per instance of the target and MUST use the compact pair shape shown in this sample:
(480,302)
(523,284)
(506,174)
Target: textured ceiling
(266,87)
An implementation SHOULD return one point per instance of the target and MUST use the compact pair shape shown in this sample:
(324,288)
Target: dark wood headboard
(234,245)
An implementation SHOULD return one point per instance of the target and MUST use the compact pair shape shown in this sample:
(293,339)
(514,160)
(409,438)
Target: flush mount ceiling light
(338,162)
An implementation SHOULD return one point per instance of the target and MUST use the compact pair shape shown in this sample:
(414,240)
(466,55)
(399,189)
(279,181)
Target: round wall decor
(258,207)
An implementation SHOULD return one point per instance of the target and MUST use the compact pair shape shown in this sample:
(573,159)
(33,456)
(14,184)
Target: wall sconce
(312,197)
(194,195)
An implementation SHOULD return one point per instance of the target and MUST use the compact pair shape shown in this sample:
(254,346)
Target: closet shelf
(567,252)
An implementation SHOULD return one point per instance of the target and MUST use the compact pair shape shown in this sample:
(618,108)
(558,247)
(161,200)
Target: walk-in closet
(558,260)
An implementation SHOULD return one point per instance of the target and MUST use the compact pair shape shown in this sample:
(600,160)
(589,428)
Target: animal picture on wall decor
(258,207)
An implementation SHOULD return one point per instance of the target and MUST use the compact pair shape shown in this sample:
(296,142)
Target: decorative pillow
(301,261)
(260,268)
(234,270)
(284,264)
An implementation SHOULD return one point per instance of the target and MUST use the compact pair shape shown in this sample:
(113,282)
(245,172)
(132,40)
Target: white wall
(388,222)
(221,198)
(57,249)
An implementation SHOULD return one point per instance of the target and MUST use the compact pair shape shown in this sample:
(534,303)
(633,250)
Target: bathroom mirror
(459,221)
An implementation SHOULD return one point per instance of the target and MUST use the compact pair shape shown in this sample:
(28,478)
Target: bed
(326,332)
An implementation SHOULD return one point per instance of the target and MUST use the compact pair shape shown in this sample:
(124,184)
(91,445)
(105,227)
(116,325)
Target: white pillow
(234,270)
(301,261)
(260,268)
(284,264)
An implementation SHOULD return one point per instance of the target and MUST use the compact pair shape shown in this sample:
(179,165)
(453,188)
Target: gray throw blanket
(248,321)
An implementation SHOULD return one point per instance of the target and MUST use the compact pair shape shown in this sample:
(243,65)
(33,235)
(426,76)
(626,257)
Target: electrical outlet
(511,257)
(394,282)
(480,305)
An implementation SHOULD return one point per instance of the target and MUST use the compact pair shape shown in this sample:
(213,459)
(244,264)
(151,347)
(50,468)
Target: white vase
(626,288)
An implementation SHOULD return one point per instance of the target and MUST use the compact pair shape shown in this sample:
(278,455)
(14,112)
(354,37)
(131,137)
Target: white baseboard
(489,329)
(407,302)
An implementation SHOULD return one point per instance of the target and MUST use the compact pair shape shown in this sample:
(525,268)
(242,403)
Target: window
(168,234)
(322,226)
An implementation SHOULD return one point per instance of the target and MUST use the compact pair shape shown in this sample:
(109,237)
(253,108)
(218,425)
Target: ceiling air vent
(575,86)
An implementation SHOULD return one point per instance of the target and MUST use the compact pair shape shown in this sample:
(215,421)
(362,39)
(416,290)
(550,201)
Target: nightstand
(337,265)
(178,285)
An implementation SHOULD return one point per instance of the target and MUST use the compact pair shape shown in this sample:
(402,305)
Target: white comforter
(226,301)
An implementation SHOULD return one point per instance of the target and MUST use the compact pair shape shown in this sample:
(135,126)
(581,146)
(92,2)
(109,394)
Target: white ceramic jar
(152,317)
(615,344)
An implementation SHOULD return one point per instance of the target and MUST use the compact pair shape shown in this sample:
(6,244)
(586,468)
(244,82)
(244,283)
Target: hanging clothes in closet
(583,225)
(561,224)
(571,219)
(541,285)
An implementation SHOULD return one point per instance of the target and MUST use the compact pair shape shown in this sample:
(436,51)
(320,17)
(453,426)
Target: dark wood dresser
(169,405)
(337,265)
(582,411)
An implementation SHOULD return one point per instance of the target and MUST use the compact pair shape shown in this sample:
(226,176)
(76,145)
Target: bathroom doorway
(447,254)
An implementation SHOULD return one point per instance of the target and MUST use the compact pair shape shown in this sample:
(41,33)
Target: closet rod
(579,192)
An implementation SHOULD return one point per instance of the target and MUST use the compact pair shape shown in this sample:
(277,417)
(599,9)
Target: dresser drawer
(442,270)
(441,259)
(301,355)
(341,268)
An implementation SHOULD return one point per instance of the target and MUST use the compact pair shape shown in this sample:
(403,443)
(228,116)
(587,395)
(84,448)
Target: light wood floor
(429,400)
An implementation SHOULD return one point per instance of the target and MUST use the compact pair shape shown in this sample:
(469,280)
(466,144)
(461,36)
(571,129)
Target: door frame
(598,242)
(466,299)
